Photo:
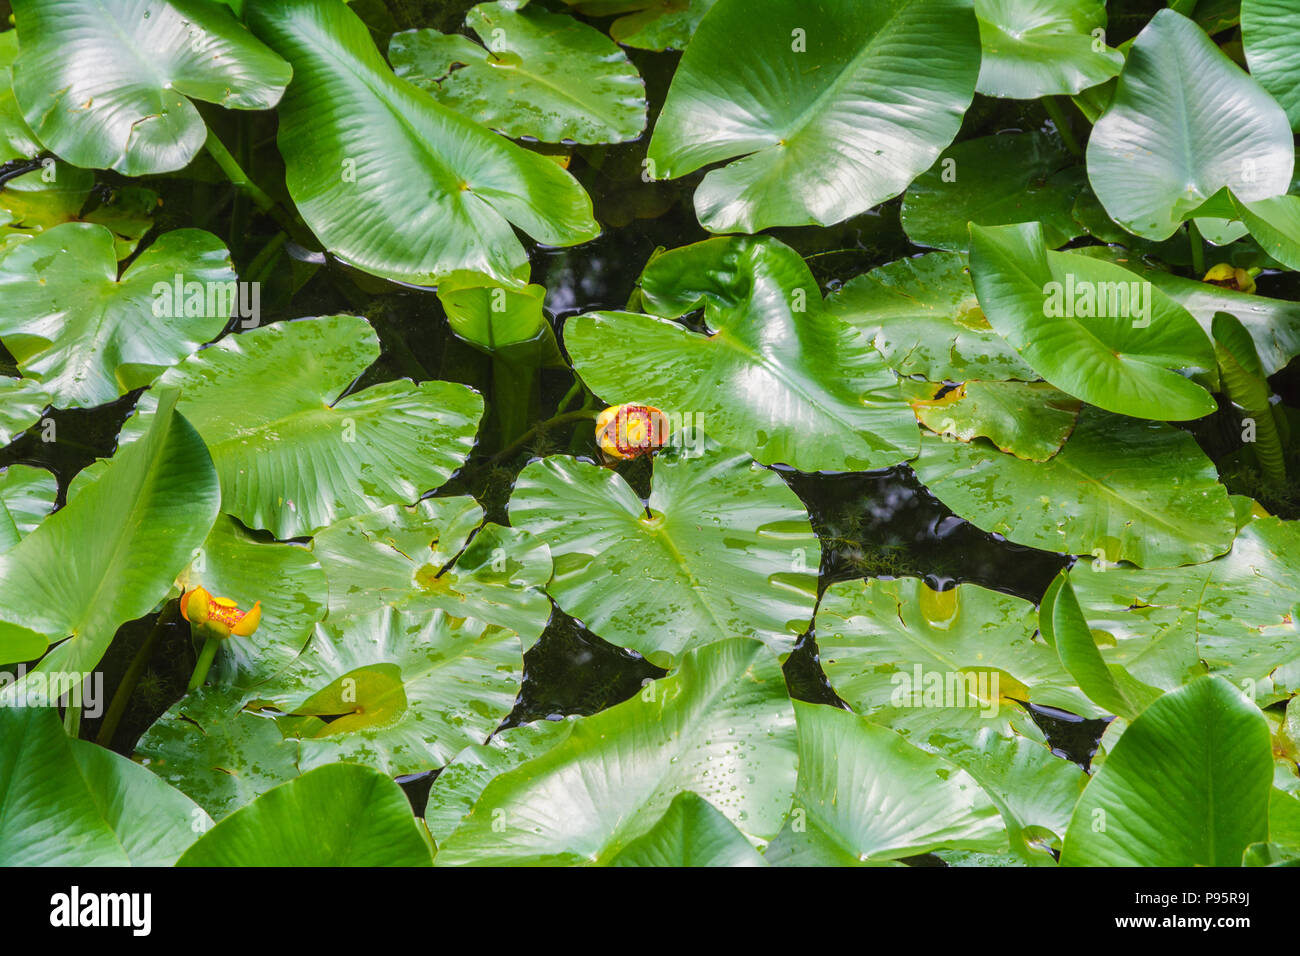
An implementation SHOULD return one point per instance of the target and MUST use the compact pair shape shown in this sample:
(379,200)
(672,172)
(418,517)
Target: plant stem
(1062,124)
(265,258)
(72,719)
(126,686)
(579,415)
(203,664)
(239,179)
(1198,248)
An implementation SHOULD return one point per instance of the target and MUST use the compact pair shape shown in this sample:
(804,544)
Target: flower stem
(126,686)
(1198,248)
(240,180)
(203,664)
(1062,124)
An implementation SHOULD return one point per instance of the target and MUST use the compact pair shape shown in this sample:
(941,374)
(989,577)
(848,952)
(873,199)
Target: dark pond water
(878,523)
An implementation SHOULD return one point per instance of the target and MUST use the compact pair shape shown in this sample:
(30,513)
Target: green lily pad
(235,564)
(306,453)
(1034,49)
(16,139)
(829,109)
(1030,420)
(542,74)
(722,548)
(1235,616)
(339,815)
(67,802)
(1157,505)
(949,670)
(1186,785)
(26,497)
(721,725)
(865,795)
(436,555)
(649,24)
(994,181)
(923,317)
(1089,328)
(775,375)
(504,319)
(89,336)
(109,86)
(692,832)
(459,784)
(1272,48)
(359,143)
(110,555)
(1184,123)
(58,193)
(400,692)
(222,756)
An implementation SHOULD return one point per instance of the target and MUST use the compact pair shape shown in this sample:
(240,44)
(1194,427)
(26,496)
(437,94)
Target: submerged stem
(126,686)
(1062,124)
(1198,248)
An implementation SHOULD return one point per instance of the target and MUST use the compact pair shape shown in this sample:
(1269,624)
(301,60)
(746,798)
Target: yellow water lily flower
(629,431)
(219,617)
(1229,277)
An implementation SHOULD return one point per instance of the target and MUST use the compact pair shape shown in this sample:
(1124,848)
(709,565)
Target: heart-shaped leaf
(400,692)
(1186,785)
(923,317)
(26,496)
(1030,420)
(66,802)
(722,726)
(1184,123)
(1272,47)
(359,143)
(306,453)
(110,555)
(1158,505)
(774,374)
(338,815)
(542,75)
(692,832)
(89,336)
(108,85)
(434,555)
(1034,48)
(834,107)
(649,24)
(866,795)
(993,181)
(1235,616)
(1088,327)
(722,548)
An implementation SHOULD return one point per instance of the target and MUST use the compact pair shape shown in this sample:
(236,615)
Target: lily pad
(67,802)
(89,336)
(1186,785)
(339,815)
(1089,328)
(834,107)
(774,374)
(58,193)
(542,74)
(1185,122)
(692,832)
(504,319)
(108,86)
(721,725)
(1235,616)
(285,578)
(16,139)
(923,317)
(207,746)
(1030,420)
(949,671)
(1158,505)
(722,548)
(994,181)
(1272,48)
(1034,48)
(26,497)
(400,692)
(308,453)
(866,795)
(110,555)
(649,24)
(436,555)
(359,143)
